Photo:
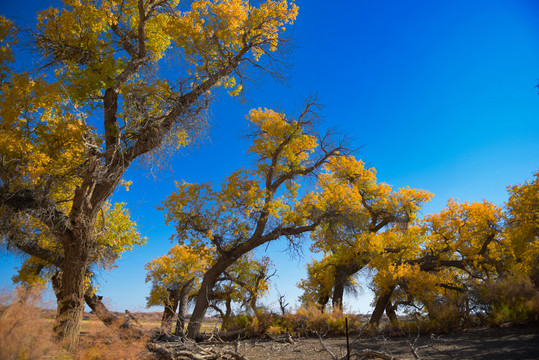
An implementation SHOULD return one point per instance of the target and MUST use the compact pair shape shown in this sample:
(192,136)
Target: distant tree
(174,276)
(441,260)
(282,303)
(350,242)
(244,282)
(522,227)
(107,60)
(318,285)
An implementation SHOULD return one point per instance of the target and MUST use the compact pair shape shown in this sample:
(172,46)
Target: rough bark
(182,310)
(380,307)
(69,290)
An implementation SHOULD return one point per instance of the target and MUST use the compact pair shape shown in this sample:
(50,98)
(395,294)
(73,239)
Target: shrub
(510,300)
(306,321)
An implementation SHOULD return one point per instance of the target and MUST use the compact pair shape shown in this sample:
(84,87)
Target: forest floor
(481,343)
(515,343)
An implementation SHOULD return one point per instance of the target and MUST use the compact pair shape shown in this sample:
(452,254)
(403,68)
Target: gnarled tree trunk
(204,294)
(69,289)
(100,310)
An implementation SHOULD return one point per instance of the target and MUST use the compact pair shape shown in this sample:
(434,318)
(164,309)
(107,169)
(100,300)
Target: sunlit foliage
(258,205)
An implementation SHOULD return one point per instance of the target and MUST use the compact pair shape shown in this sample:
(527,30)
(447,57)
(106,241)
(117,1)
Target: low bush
(306,321)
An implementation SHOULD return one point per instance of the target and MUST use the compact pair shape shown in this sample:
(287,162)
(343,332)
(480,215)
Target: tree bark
(100,310)
(69,289)
(252,304)
(182,310)
(322,302)
(170,311)
(341,275)
(202,299)
(380,307)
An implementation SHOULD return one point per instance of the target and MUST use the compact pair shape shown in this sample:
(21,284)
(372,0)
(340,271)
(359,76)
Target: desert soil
(491,344)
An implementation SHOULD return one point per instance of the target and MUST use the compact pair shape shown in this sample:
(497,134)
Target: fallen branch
(190,350)
(324,348)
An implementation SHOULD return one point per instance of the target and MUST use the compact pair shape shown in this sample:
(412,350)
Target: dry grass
(26,333)
(23,333)
(99,342)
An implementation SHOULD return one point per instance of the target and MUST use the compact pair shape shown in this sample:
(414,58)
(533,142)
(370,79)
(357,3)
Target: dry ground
(491,344)
(481,343)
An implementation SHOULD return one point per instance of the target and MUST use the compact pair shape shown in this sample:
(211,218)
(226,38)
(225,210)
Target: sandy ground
(491,344)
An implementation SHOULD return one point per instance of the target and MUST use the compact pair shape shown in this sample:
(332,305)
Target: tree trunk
(182,310)
(341,275)
(228,312)
(391,312)
(380,307)
(322,302)
(170,311)
(252,304)
(202,300)
(69,289)
(100,310)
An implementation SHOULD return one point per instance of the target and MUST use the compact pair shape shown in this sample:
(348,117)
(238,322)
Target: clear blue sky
(438,95)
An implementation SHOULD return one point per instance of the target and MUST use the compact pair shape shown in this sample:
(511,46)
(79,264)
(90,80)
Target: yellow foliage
(177,267)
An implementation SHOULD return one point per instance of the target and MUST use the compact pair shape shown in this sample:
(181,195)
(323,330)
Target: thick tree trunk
(380,307)
(341,275)
(182,310)
(252,304)
(203,296)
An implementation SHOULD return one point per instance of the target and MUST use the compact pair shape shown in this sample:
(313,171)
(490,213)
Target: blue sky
(437,95)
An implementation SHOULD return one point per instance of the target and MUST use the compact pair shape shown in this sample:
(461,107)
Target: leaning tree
(261,204)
